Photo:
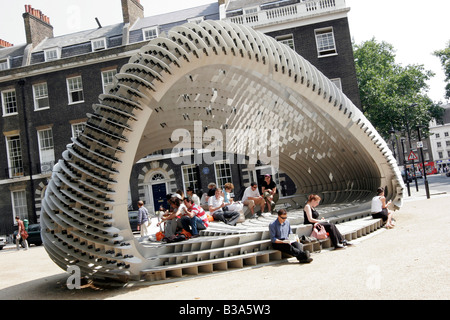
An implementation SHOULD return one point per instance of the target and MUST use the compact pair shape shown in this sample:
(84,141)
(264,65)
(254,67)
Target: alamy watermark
(74,280)
(249,145)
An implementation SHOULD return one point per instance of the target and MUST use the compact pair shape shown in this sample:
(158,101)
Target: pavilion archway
(221,78)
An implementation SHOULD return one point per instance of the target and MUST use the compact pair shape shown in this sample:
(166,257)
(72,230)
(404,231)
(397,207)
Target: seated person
(211,191)
(194,197)
(270,192)
(379,208)
(172,217)
(252,198)
(231,205)
(196,218)
(216,205)
(279,235)
(311,216)
(169,218)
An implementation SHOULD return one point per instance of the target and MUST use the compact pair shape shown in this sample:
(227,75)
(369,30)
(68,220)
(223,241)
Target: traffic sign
(412,156)
(419,144)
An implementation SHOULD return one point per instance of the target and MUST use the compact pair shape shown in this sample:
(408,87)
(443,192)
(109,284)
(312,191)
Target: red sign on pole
(412,156)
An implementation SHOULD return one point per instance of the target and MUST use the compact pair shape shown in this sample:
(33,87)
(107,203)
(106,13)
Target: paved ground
(408,262)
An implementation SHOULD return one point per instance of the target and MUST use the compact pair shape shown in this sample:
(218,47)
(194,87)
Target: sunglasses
(284,218)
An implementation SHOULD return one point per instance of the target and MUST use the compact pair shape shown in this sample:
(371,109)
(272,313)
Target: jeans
(194,223)
(229,217)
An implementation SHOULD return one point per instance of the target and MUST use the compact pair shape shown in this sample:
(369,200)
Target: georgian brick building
(49,84)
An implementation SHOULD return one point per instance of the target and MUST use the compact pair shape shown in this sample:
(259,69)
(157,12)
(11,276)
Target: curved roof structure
(225,78)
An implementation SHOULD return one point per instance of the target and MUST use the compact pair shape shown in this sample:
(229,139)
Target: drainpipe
(28,144)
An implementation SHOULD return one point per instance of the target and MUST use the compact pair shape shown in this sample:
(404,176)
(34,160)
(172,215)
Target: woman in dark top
(311,216)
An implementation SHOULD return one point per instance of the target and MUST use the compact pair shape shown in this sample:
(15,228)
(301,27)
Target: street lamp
(410,145)
(402,140)
(427,190)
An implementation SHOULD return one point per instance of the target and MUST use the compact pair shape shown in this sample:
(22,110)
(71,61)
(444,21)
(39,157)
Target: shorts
(383,214)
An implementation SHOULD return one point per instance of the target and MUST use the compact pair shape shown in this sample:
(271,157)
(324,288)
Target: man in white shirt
(216,205)
(251,198)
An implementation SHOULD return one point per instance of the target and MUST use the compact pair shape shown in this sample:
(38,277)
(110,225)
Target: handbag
(319,232)
(24,235)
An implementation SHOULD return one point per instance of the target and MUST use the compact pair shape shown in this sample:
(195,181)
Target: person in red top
(21,234)
(196,218)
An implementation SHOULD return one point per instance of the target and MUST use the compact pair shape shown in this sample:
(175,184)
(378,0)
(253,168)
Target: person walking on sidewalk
(280,229)
(22,235)
(142,219)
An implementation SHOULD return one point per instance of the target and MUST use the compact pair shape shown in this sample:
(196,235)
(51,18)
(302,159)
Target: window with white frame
(439,144)
(107,78)
(77,128)
(40,93)
(19,201)
(98,44)
(438,135)
(250,10)
(325,42)
(196,20)
(251,14)
(337,82)
(150,33)
(4,64)
(440,155)
(52,54)
(223,172)
(190,177)
(287,40)
(46,149)
(446,134)
(15,163)
(9,102)
(75,90)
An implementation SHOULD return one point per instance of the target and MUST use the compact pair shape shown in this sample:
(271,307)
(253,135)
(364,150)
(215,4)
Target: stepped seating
(222,248)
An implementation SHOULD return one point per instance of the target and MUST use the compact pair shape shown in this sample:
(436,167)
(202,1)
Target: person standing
(22,234)
(280,229)
(142,219)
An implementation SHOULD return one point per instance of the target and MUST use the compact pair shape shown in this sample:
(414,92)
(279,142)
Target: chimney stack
(5,44)
(132,10)
(37,26)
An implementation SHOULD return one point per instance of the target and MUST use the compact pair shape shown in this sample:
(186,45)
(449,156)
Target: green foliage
(390,91)
(444,56)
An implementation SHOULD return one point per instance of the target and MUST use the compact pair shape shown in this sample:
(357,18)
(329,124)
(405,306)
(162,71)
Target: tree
(444,56)
(387,89)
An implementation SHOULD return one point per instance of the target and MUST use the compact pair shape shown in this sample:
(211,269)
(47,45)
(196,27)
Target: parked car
(2,242)
(407,178)
(34,235)
(133,217)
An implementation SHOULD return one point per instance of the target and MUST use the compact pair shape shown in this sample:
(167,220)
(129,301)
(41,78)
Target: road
(410,261)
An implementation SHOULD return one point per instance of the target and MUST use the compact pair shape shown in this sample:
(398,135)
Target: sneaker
(307,260)
(339,246)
